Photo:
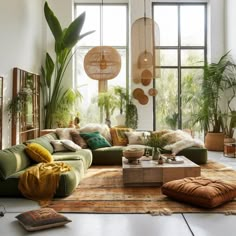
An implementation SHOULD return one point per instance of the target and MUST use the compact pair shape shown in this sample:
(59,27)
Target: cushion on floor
(200,191)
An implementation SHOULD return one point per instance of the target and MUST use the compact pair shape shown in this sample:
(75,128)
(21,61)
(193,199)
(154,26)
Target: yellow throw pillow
(119,137)
(38,153)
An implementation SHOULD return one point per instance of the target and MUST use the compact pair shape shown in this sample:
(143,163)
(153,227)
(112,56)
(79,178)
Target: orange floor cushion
(200,191)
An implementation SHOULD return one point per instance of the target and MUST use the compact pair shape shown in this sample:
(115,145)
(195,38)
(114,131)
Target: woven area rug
(102,191)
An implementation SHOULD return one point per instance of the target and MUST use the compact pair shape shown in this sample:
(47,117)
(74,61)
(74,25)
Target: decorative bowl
(133,154)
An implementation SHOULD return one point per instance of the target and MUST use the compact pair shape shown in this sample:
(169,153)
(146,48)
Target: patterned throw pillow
(95,140)
(43,218)
(70,145)
(77,139)
(38,153)
(119,137)
(135,137)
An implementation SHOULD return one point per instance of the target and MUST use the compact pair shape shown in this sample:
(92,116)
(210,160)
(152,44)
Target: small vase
(155,154)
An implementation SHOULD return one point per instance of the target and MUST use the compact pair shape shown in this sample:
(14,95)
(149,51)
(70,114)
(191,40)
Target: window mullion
(179,73)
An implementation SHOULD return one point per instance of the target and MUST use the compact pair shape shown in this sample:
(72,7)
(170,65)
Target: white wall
(21,39)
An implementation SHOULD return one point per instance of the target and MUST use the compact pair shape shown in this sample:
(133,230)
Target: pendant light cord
(145,26)
(101,24)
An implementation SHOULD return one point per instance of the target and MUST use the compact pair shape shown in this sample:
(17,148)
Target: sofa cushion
(64,133)
(58,146)
(12,160)
(38,153)
(44,141)
(103,129)
(200,191)
(43,218)
(75,134)
(95,140)
(118,136)
(135,137)
(70,145)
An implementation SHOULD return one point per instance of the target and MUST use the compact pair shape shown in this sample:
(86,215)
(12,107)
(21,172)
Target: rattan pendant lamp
(102,63)
(145,59)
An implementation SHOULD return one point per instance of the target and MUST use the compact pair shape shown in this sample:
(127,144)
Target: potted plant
(53,71)
(209,115)
(131,119)
(120,92)
(107,103)
(155,141)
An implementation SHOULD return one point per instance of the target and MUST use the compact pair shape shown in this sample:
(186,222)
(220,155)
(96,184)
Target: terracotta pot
(214,141)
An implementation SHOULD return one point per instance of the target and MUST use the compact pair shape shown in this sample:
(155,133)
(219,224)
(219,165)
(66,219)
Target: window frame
(179,48)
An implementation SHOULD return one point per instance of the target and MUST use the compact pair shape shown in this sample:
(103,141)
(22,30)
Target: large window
(114,20)
(182,56)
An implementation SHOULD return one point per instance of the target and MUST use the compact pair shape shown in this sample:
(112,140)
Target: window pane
(192,25)
(192,58)
(166,18)
(168,57)
(167,99)
(92,22)
(114,25)
(191,87)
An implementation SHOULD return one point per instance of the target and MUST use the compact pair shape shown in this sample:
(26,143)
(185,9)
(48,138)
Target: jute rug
(102,191)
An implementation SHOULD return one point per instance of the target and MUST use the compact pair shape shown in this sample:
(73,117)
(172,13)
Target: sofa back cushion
(44,141)
(119,138)
(12,160)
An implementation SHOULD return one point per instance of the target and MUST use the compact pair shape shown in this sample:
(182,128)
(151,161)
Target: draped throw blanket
(41,181)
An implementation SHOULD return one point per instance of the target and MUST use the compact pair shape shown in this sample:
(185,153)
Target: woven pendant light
(102,63)
(145,59)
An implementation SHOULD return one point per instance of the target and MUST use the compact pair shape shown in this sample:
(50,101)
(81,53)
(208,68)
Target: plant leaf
(53,22)
(72,34)
(49,69)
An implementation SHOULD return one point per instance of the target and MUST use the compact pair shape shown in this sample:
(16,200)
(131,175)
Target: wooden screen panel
(26,123)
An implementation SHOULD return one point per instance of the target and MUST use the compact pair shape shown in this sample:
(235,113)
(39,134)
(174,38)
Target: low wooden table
(149,173)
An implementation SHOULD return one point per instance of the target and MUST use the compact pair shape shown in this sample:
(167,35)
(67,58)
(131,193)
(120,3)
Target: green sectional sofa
(113,155)
(14,161)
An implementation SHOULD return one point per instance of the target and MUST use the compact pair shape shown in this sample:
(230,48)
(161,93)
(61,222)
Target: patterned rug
(102,191)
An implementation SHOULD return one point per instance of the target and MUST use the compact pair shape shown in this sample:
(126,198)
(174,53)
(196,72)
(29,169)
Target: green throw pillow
(95,140)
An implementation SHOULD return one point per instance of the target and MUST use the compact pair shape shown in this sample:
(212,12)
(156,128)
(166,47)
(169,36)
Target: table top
(144,162)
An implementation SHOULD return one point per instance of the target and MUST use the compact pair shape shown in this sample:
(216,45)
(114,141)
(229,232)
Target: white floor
(125,224)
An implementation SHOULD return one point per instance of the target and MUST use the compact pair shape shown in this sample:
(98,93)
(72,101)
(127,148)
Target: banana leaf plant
(53,71)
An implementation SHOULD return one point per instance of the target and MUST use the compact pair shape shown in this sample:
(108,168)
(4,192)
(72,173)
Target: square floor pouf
(200,191)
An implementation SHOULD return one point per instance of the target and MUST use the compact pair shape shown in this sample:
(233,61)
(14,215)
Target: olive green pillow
(95,140)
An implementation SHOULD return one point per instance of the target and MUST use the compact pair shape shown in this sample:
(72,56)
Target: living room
(25,34)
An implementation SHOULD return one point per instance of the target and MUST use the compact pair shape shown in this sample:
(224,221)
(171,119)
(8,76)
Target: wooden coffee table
(149,173)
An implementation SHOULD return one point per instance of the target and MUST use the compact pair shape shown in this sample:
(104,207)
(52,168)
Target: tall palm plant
(53,71)
(213,86)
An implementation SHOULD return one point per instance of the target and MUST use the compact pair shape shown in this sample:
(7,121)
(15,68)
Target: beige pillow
(135,137)
(103,129)
(64,133)
(58,146)
(70,145)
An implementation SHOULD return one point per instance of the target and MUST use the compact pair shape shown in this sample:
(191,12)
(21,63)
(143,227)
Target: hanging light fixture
(145,59)
(102,63)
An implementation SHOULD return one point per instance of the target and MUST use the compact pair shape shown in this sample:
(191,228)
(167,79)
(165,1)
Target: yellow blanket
(41,181)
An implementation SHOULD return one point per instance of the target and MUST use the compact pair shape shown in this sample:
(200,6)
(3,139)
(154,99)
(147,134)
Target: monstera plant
(53,71)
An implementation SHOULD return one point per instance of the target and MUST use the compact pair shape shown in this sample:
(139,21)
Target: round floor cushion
(200,191)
